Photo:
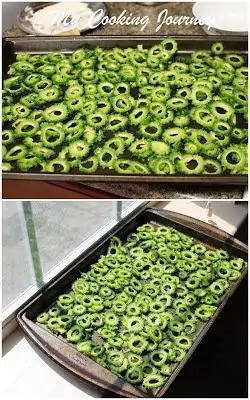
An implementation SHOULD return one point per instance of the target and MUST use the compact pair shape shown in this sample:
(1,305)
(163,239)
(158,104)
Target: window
(62,226)
(40,238)
(17,274)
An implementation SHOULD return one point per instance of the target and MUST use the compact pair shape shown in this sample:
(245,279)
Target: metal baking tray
(80,365)
(186,45)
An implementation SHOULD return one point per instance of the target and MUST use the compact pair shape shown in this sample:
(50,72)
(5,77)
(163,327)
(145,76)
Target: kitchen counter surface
(138,9)
(167,191)
(146,190)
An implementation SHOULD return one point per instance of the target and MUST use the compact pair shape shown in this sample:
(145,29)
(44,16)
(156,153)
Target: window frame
(9,323)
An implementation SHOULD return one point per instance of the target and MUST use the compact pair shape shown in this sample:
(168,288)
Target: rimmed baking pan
(186,45)
(80,365)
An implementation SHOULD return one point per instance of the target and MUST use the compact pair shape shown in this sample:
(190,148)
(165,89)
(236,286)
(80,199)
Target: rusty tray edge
(201,179)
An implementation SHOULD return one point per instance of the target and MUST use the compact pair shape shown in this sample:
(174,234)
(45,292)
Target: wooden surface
(21,189)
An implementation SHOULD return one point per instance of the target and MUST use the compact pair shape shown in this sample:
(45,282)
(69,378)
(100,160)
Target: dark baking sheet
(82,366)
(186,45)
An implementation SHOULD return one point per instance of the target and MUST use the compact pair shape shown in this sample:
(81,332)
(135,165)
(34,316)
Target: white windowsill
(27,373)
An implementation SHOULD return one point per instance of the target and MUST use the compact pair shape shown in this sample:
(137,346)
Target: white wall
(10,11)
(226,215)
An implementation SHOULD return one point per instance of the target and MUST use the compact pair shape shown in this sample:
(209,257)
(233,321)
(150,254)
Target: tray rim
(168,179)
(229,241)
(181,179)
(212,38)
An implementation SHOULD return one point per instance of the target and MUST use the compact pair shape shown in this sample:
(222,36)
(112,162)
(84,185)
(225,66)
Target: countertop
(138,9)
(146,190)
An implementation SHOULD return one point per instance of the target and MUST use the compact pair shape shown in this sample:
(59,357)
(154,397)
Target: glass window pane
(56,229)
(129,205)
(17,271)
(61,226)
